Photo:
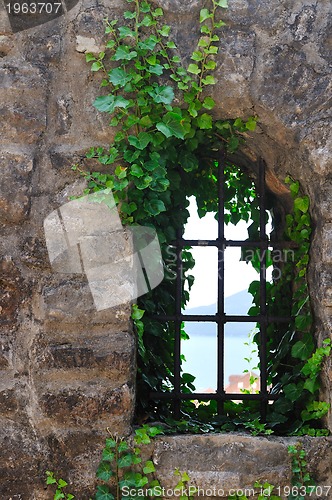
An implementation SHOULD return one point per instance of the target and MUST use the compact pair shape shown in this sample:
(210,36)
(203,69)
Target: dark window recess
(176,396)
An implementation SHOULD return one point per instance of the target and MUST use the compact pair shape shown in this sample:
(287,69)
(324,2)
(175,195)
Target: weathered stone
(44,46)
(64,104)
(68,405)
(11,291)
(5,27)
(15,186)
(111,354)
(327,243)
(219,463)
(65,300)
(20,451)
(88,45)
(222,462)
(20,86)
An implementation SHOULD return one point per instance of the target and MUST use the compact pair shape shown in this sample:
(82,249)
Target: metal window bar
(220,318)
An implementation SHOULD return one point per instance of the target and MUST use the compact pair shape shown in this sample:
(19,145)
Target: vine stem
(201,76)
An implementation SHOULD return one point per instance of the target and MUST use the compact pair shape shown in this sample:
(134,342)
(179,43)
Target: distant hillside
(237,304)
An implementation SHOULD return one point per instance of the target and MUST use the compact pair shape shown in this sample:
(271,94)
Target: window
(260,246)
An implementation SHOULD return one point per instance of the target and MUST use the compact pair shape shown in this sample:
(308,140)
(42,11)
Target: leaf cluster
(59,484)
(122,467)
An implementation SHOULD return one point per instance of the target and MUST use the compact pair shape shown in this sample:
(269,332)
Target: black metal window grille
(221,318)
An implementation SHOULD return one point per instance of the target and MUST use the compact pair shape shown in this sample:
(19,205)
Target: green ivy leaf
(108,454)
(158,12)
(108,103)
(110,443)
(120,172)
(171,125)
(96,66)
(103,493)
(129,15)
(293,391)
(141,141)
(303,322)
(209,80)
(251,123)
(125,461)
(119,76)
(204,15)
(303,349)
(128,208)
(157,69)
(222,3)
(89,57)
(123,446)
(149,43)
(154,207)
(143,182)
(164,31)
(149,467)
(204,121)
(162,94)
(188,161)
(123,53)
(210,65)
(194,69)
(312,385)
(302,204)
(104,471)
(315,410)
(136,170)
(124,31)
(197,56)
(137,313)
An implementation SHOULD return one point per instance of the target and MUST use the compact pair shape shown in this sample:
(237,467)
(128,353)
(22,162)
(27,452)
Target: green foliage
(60,484)
(301,481)
(302,484)
(160,155)
(183,486)
(293,363)
(121,467)
(126,475)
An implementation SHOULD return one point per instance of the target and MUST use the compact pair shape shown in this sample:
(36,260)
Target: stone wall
(221,464)
(67,371)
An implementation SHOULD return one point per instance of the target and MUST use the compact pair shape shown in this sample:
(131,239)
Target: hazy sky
(238,275)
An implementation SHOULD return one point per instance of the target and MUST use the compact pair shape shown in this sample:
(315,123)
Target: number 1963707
(33,8)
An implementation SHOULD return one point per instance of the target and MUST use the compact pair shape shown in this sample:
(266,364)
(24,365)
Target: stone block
(91,405)
(5,27)
(23,98)
(75,456)
(222,462)
(70,301)
(12,291)
(34,253)
(326,243)
(105,352)
(44,46)
(15,187)
(20,451)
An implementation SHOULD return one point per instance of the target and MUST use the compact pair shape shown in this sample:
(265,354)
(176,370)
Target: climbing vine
(165,148)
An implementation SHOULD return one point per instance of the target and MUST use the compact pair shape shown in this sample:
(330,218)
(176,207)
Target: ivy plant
(165,147)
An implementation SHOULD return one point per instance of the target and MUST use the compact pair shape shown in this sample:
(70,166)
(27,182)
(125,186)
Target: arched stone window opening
(265,202)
